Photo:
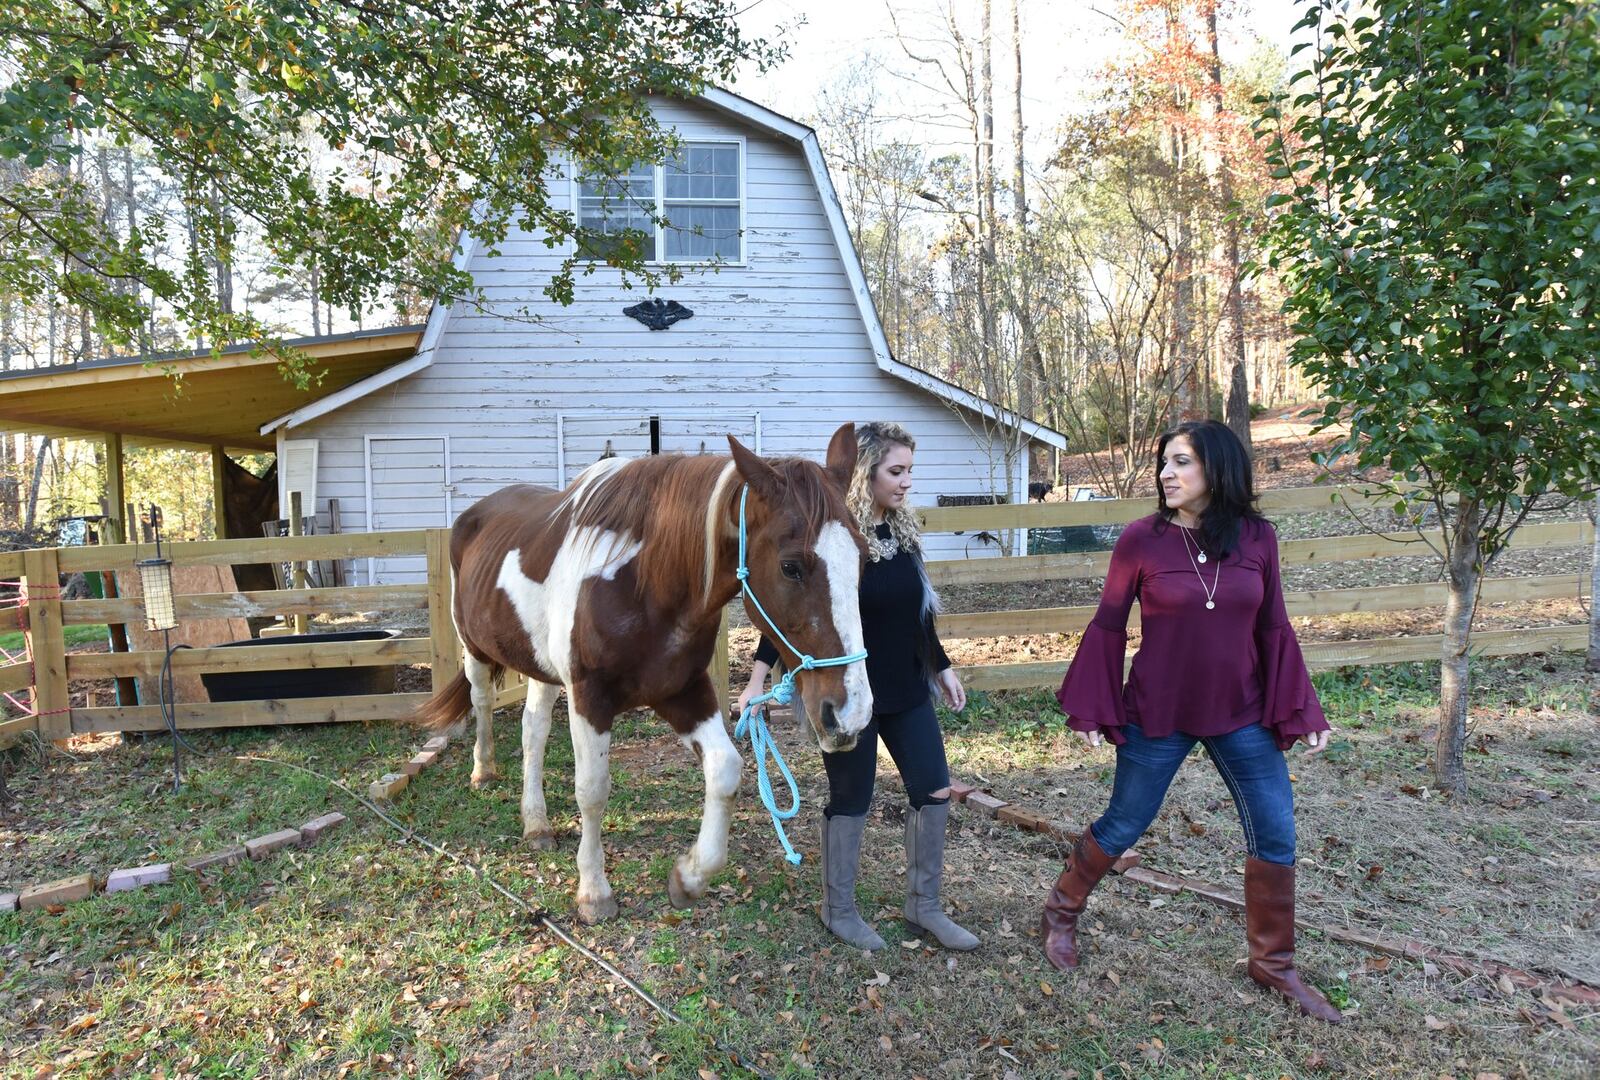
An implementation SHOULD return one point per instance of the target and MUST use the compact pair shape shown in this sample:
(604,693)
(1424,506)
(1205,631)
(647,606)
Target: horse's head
(805,555)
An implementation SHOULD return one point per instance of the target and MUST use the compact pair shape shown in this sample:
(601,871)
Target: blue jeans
(1251,765)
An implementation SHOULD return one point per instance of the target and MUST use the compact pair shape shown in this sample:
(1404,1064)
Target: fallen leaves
(81,1024)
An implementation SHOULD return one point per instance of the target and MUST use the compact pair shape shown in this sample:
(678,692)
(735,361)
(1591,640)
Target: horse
(614,589)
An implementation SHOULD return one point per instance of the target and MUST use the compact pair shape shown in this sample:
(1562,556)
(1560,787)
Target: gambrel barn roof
(806,140)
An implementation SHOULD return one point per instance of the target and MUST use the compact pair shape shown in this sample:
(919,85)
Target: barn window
(701,203)
(689,209)
(619,210)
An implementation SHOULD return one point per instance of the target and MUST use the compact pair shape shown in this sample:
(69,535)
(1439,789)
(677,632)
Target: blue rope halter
(753,721)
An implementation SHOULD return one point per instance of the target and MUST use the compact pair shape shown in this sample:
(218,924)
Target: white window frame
(657,256)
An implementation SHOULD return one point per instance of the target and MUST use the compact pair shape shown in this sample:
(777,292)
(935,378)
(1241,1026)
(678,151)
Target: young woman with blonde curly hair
(906,665)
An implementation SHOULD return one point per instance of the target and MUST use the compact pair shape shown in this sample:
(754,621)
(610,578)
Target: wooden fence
(44,616)
(1275,504)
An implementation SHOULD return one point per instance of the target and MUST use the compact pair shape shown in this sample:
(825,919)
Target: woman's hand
(1093,738)
(758,679)
(750,691)
(951,690)
(1316,741)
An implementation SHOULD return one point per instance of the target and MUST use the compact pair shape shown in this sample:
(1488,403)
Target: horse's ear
(842,455)
(757,473)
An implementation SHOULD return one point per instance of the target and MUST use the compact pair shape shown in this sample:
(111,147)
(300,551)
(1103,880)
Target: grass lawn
(75,635)
(363,956)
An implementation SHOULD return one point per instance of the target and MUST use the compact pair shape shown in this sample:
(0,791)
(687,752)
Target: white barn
(784,345)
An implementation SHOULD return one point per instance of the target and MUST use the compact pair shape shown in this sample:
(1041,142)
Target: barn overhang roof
(192,399)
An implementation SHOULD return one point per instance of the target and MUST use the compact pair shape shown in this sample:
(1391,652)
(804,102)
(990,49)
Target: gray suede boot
(841,854)
(924,873)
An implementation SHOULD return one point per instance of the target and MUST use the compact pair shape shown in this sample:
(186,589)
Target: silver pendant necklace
(1211,592)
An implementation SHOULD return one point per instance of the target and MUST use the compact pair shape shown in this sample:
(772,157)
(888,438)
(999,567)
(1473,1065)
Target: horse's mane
(681,507)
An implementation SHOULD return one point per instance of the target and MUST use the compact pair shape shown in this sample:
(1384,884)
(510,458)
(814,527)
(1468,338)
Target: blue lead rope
(753,721)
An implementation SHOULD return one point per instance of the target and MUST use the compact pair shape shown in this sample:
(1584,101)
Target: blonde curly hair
(873,443)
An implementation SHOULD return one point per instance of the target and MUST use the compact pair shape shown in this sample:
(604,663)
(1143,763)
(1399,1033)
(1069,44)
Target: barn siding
(780,336)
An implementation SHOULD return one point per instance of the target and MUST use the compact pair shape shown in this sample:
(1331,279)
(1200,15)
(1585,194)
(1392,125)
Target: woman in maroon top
(1218,665)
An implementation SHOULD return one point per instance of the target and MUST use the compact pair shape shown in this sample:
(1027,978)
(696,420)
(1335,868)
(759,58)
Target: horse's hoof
(481,781)
(540,839)
(680,896)
(594,911)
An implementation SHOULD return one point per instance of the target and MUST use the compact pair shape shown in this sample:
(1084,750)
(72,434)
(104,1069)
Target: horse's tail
(446,708)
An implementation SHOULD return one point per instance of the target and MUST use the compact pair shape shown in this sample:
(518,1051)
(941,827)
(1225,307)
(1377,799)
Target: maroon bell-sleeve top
(1198,671)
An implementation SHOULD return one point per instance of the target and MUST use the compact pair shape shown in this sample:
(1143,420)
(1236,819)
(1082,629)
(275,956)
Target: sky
(1065,42)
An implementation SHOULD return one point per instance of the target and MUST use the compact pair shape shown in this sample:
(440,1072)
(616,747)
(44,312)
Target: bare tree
(1238,406)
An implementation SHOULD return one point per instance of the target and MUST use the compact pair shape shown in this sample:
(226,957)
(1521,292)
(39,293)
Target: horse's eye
(791,569)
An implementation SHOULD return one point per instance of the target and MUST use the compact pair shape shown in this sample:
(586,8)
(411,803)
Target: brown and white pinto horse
(614,589)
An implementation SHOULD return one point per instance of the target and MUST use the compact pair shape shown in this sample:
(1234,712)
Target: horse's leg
(480,675)
(591,752)
(536,831)
(694,715)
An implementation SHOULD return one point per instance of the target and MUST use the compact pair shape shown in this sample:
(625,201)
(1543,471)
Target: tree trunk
(222,254)
(9,501)
(1593,662)
(986,211)
(1033,389)
(147,329)
(1449,756)
(316,303)
(1237,410)
(38,480)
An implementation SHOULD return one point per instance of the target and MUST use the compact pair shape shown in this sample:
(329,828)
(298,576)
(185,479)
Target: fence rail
(1319,655)
(44,617)
(1318,550)
(1066,620)
(49,667)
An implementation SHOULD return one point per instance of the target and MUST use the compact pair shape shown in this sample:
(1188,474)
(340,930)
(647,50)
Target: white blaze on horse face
(842,558)
(548,608)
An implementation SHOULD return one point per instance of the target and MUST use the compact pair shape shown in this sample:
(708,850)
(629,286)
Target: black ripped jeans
(917,746)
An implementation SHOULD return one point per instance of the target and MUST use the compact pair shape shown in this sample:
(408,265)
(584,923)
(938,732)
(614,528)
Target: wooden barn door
(408,487)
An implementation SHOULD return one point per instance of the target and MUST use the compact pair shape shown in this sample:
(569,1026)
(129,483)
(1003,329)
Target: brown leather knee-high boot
(1269,927)
(1058,928)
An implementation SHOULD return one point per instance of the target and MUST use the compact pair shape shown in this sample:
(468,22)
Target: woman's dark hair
(1228,476)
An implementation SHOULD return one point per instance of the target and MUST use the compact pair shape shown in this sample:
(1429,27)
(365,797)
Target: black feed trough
(302,682)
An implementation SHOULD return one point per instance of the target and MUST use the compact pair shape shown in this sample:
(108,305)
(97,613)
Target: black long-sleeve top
(898,630)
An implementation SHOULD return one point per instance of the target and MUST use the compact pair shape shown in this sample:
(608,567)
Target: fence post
(441,624)
(719,665)
(298,569)
(46,643)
